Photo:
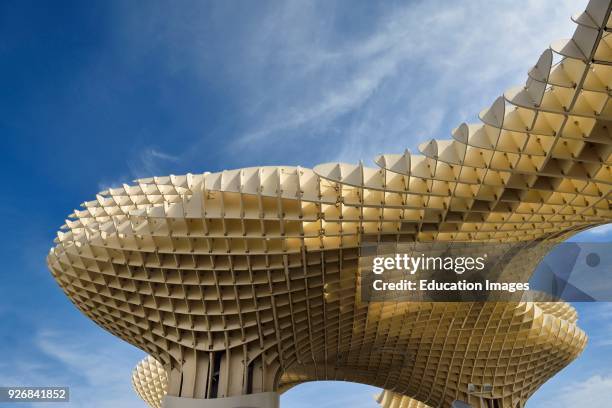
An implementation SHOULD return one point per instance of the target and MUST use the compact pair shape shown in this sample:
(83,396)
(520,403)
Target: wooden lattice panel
(150,381)
(389,399)
(505,345)
(246,281)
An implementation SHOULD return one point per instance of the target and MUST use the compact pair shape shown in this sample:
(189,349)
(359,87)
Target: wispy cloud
(601,230)
(417,71)
(446,77)
(587,382)
(594,392)
(598,317)
(358,80)
(148,162)
(339,81)
(96,368)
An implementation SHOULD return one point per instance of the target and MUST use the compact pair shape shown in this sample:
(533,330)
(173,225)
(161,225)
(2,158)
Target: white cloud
(105,184)
(352,81)
(458,60)
(97,368)
(405,74)
(601,230)
(418,71)
(598,317)
(594,392)
(149,162)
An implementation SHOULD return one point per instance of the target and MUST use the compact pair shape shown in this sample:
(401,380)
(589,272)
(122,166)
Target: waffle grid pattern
(247,280)
(150,381)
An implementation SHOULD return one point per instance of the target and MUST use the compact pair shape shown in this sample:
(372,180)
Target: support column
(259,400)
(222,379)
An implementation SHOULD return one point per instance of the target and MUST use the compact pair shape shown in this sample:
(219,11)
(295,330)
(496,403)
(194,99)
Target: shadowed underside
(150,381)
(246,281)
(522,358)
(388,399)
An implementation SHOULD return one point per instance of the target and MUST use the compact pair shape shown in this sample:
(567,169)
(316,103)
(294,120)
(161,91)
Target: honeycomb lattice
(150,381)
(388,399)
(246,281)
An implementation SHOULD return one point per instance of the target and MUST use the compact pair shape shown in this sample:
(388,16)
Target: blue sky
(95,94)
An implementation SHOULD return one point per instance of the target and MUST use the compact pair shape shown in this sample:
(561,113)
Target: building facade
(244,283)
